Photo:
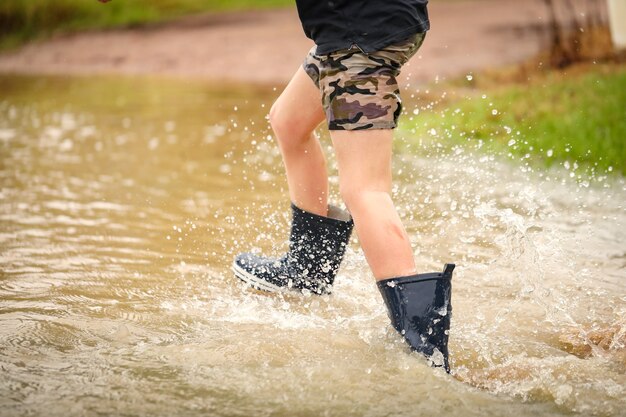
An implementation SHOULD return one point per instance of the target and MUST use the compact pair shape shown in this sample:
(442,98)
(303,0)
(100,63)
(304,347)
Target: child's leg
(364,159)
(294,116)
(319,232)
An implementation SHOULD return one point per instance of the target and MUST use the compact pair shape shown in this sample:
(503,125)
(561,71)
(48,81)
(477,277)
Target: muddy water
(123,202)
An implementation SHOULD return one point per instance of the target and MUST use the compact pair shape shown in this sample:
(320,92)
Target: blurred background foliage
(22,20)
(577,119)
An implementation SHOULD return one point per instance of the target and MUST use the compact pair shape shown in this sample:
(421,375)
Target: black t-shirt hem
(366,47)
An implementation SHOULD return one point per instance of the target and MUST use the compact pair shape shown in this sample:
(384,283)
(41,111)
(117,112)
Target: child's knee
(288,129)
(357,197)
(283,123)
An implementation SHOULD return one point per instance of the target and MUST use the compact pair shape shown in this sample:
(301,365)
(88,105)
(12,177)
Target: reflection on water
(123,202)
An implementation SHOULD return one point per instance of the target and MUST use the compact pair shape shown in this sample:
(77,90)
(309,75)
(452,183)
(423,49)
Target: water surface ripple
(124,200)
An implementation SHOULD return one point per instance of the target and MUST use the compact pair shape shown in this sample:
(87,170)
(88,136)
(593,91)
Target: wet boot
(419,307)
(316,248)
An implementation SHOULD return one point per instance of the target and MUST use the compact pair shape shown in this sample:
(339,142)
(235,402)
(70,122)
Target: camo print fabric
(359,90)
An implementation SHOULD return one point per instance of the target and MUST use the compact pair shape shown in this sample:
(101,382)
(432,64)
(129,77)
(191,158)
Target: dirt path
(268,46)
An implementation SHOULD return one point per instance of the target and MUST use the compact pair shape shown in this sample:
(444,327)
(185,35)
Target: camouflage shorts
(360,90)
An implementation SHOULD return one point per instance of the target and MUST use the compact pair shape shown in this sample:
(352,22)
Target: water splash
(101,313)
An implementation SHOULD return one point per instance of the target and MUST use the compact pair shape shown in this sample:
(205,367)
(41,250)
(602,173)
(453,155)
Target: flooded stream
(124,200)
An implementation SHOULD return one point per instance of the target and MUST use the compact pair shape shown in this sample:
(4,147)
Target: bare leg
(294,116)
(364,159)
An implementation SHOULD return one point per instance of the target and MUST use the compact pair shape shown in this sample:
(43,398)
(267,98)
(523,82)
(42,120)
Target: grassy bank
(577,119)
(22,20)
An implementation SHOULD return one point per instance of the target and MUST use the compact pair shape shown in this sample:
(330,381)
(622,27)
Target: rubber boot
(317,245)
(419,307)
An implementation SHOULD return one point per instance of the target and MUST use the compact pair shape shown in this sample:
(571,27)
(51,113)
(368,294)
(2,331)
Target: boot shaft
(317,243)
(419,307)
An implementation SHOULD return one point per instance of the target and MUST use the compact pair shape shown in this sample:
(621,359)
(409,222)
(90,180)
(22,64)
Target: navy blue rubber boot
(419,307)
(317,245)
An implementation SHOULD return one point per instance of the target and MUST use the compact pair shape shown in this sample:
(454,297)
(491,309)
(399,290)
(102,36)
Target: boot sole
(254,281)
(262,285)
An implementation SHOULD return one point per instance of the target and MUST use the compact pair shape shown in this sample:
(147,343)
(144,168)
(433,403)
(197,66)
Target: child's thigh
(299,105)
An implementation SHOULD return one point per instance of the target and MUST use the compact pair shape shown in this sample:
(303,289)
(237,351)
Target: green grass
(575,120)
(22,20)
